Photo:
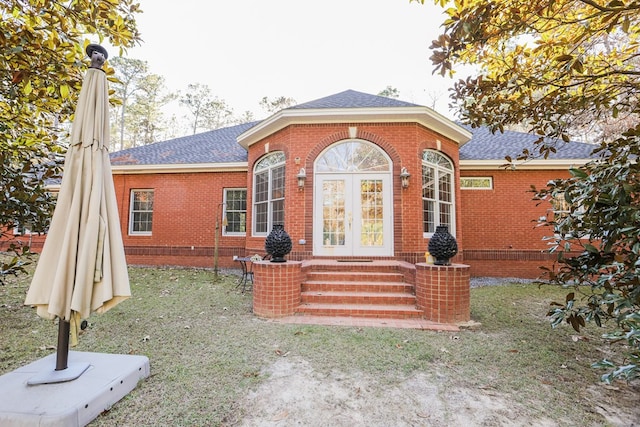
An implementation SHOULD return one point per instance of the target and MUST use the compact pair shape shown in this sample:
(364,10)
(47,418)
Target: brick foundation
(443,292)
(276,288)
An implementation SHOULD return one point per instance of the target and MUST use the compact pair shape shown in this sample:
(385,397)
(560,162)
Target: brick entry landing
(379,293)
(376,289)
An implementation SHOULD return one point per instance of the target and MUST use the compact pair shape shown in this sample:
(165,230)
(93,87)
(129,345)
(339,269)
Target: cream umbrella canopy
(82,267)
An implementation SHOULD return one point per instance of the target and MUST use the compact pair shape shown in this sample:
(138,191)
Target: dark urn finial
(278,243)
(443,246)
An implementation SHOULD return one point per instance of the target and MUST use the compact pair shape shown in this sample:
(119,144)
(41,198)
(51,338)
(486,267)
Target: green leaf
(592,249)
(64,91)
(578,173)
(563,58)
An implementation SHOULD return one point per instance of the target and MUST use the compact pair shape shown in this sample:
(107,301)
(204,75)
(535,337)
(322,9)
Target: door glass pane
(333,210)
(371,213)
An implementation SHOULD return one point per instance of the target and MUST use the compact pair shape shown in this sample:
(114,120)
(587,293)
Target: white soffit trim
(539,164)
(422,115)
(179,168)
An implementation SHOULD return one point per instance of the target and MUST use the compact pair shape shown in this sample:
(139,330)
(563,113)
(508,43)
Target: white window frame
(23,230)
(561,208)
(477,182)
(273,164)
(226,210)
(439,171)
(133,212)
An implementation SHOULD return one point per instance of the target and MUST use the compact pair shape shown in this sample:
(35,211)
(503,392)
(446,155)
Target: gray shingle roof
(221,146)
(485,145)
(353,99)
(216,146)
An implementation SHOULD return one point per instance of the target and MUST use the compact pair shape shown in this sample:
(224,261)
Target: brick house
(350,176)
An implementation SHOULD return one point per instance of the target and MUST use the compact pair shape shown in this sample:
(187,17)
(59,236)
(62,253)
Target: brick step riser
(386,314)
(356,287)
(356,268)
(358,282)
(381,299)
(355,276)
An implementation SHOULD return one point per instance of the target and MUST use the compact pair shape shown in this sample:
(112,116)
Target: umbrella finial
(98,55)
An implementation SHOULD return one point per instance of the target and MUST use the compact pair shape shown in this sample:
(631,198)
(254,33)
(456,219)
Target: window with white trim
(561,210)
(438,207)
(268,193)
(141,212)
(22,230)
(476,183)
(235,212)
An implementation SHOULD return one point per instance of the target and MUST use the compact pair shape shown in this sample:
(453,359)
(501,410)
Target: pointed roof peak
(352,99)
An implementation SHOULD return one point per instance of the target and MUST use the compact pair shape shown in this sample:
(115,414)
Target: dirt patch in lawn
(296,395)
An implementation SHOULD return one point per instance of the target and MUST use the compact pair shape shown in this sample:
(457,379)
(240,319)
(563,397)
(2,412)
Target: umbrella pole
(62,372)
(62,355)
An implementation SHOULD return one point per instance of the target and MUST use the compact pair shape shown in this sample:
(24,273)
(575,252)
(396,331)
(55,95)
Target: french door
(352,215)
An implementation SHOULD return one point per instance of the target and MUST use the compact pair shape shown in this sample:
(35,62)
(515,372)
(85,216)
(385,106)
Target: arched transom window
(353,156)
(437,192)
(268,193)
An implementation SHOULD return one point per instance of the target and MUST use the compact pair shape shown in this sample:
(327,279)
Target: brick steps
(353,286)
(361,310)
(359,276)
(375,290)
(358,297)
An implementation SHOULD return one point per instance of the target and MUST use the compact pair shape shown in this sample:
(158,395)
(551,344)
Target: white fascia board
(179,168)
(422,115)
(538,164)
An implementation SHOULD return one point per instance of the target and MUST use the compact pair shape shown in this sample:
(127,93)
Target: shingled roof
(353,99)
(221,146)
(216,146)
(485,145)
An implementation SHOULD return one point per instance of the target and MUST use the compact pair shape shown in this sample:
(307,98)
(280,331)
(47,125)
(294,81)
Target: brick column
(276,288)
(443,292)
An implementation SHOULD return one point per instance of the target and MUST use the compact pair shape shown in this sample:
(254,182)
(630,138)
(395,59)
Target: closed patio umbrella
(82,268)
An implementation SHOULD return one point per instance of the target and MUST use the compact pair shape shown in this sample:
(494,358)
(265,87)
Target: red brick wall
(185,210)
(501,237)
(443,292)
(495,229)
(276,288)
(403,142)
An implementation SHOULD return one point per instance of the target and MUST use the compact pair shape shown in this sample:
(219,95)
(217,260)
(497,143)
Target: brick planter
(276,288)
(443,292)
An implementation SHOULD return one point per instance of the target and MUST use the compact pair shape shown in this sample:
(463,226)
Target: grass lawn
(208,352)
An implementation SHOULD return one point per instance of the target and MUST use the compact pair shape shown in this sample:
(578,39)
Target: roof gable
(352,99)
(351,106)
(223,146)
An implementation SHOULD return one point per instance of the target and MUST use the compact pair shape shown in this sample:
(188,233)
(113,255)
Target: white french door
(352,215)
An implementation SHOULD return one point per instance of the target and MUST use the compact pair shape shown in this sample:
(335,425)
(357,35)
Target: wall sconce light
(404,177)
(302,176)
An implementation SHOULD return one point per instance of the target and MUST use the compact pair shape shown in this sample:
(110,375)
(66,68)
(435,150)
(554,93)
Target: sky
(305,50)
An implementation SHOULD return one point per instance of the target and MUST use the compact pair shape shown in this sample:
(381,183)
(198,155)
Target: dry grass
(207,350)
